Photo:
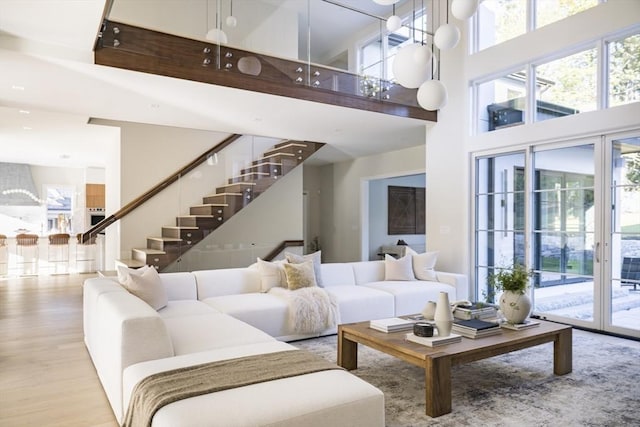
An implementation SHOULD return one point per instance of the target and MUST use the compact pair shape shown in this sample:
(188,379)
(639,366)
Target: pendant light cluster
(414,65)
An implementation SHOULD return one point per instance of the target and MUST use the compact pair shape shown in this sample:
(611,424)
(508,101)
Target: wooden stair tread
(238,183)
(276,154)
(206,205)
(131,263)
(247,174)
(150,251)
(292,144)
(195,216)
(222,194)
(181,227)
(165,239)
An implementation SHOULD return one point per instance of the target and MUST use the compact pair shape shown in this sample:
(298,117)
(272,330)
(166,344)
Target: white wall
(450,146)
(343,196)
(379,214)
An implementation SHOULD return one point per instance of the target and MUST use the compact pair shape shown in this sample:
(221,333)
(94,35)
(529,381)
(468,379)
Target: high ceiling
(50,88)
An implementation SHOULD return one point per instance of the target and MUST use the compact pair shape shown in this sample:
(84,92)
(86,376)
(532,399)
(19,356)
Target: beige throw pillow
(398,269)
(316,257)
(424,266)
(271,274)
(148,287)
(125,272)
(300,275)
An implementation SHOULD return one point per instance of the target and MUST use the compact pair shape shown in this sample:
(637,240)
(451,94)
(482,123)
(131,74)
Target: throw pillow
(316,257)
(300,275)
(148,287)
(125,272)
(424,266)
(271,274)
(398,269)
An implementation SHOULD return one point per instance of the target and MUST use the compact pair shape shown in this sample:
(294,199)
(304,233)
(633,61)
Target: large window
(500,20)
(624,70)
(566,86)
(563,86)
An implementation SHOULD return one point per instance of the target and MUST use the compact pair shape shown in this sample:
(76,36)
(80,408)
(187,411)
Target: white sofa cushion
(368,271)
(410,297)
(398,269)
(337,274)
(91,291)
(266,312)
(320,399)
(226,281)
(180,286)
(187,307)
(191,334)
(359,303)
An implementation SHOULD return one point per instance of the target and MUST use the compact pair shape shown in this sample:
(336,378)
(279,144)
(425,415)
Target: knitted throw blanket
(163,388)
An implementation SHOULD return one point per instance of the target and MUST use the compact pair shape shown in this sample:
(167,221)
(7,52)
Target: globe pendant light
(231,20)
(216,35)
(386,2)
(407,71)
(394,23)
(446,37)
(463,9)
(432,95)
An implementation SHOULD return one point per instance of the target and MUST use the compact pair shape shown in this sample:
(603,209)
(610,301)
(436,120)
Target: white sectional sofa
(222,314)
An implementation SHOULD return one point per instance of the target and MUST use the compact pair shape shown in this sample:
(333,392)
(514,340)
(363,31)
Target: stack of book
(475,328)
(528,323)
(434,341)
(475,311)
(392,324)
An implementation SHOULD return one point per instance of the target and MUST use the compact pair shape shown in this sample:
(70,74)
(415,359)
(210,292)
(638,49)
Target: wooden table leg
(347,352)
(563,352)
(437,386)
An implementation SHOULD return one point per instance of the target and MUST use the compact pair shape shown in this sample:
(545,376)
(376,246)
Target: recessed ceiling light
(17,87)
(24,112)
(26,128)
(65,156)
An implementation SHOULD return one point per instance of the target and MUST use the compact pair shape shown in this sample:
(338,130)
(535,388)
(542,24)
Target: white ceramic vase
(443,316)
(429,310)
(515,307)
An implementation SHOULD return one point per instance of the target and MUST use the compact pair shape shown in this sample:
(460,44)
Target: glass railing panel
(322,44)
(203,200)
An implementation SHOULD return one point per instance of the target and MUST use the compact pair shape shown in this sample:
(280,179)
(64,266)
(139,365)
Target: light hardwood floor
(46,374)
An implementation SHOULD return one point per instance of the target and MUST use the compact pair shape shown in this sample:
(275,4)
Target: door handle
(598,252)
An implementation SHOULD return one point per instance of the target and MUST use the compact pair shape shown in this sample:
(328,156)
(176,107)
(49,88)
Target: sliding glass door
(571,213)
(564,232)
(622,309)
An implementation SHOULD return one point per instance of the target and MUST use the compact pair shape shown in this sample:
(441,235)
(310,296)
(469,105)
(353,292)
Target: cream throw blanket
(163,388)
(311,309)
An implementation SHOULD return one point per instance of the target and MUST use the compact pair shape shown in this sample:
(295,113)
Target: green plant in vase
(514,300)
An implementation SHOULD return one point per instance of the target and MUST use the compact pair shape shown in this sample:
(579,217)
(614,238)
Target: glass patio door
(565,230)
(621,311)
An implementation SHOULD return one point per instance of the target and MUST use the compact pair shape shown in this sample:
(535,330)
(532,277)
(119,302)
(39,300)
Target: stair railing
(140,200)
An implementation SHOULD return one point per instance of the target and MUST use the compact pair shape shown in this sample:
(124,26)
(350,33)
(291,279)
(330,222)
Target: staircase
(217,208)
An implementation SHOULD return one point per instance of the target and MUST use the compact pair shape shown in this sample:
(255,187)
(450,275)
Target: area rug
(516,389)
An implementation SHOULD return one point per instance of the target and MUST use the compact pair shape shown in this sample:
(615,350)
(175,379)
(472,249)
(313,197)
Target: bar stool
(58,255)
(27,253)
(85,254)
(4,256)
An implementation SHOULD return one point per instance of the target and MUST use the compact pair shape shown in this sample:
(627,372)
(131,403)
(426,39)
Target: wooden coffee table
(437,362)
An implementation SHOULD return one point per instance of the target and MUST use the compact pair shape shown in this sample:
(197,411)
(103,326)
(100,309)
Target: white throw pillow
(424,266)
(316,257)
(398,269)
(148,287)
(125,272)
(271,274)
